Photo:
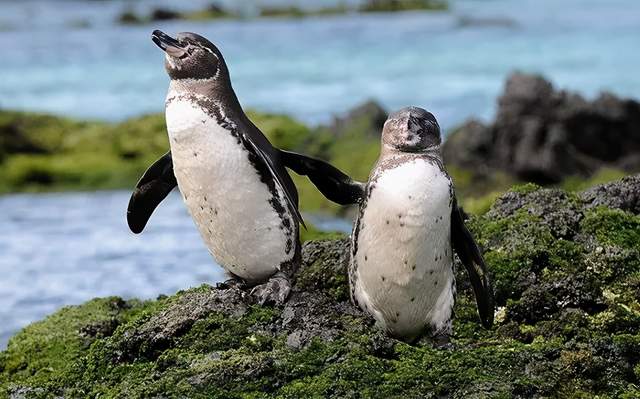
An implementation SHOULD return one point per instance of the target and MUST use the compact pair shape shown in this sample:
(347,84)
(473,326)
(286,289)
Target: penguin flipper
(291,197)
(329,180)
(469,253)
(154,186)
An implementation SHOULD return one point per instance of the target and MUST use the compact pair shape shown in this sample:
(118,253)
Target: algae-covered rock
(566,269)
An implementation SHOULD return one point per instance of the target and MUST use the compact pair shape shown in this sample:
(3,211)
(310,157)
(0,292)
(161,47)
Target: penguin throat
(391,149)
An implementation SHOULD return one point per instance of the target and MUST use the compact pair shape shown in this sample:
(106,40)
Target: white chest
(224,195)
(402,268)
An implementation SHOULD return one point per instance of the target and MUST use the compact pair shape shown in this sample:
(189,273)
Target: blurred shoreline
(452,63)
(537,136)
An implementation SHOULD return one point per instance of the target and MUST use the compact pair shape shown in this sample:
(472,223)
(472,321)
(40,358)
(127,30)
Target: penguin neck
(219,92)
(388,151)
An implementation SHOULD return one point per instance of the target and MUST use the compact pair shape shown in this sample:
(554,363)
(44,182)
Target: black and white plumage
(401,268)
(232,179)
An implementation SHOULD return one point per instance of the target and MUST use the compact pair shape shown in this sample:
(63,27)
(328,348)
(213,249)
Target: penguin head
(411,129)
(191,56)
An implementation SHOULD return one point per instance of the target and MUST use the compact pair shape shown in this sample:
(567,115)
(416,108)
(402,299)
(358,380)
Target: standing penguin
(232,180)
(401,268)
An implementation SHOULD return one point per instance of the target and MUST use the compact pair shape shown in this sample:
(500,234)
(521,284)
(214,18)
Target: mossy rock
(566,269)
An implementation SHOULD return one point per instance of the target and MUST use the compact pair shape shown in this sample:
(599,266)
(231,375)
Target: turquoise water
(453,63)
(63,249)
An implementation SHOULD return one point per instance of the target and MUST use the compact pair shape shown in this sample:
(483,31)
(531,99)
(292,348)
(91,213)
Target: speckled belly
(402,269)
(225,197)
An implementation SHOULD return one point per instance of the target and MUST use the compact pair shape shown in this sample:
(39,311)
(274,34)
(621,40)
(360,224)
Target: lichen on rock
(566,269)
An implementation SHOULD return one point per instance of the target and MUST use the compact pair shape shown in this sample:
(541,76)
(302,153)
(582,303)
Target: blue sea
(69,57)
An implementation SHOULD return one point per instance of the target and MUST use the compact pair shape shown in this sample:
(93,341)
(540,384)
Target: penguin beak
(168,44)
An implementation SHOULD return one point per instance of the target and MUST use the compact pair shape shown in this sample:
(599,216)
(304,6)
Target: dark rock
(555,207)
(543,135)
(367,118)
(164,14)
(623,194)
(129,17)
(161,330)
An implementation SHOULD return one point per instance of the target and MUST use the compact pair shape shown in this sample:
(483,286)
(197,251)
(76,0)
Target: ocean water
(63,249)
(452,63)
(68,57)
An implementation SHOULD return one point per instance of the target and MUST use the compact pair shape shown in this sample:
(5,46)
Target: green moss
(282,131)
(613,227)
(525,188)
(297,12)
(403,5)
(567,326)
(46,153)
(45,352)
(210,13)
(604,175)
(313,233)
(479,205)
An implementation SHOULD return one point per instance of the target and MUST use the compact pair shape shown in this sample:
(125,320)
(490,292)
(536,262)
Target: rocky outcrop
(544,135)
(366,119)
(566,271)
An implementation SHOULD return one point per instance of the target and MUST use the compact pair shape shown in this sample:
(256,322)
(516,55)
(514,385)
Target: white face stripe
(171,62)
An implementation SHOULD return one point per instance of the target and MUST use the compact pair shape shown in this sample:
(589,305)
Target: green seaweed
(567,325)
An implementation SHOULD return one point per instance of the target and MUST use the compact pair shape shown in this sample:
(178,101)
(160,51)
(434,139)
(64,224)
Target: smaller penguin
(401,268)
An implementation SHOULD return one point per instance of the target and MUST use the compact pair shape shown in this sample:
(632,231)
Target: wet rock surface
(566,271)
(543,135)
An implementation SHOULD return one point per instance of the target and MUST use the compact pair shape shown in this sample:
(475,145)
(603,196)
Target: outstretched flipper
(469,254)
(154,186)
(330,181)
(289,189)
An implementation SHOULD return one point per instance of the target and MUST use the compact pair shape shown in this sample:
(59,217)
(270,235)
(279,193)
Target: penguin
(401,268)
(232,180)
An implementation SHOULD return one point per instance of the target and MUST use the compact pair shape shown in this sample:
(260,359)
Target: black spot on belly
(366,258)
(387,222)
(435,284)
(383,278)
(430,272)
(413,267)
(195,154)
(401,224)
(413,299)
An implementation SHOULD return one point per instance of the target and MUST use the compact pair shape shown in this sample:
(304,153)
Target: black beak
(168,44)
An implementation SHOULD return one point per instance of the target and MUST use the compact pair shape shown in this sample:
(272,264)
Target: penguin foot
(273,292)
(232,283)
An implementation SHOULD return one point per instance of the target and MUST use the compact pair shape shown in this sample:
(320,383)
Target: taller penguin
(232,179)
